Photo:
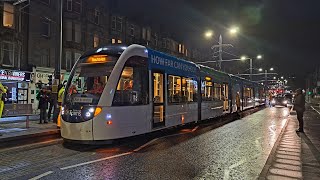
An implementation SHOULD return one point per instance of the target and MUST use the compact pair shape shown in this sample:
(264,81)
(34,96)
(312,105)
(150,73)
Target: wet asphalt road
(237,150)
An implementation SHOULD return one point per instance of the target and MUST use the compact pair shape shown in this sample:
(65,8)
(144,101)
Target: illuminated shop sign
(12,75)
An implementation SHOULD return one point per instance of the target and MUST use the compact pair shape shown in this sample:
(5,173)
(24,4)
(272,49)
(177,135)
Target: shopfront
(17,83)
(41,75)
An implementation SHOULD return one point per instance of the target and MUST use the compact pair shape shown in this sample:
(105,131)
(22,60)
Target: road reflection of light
(283,123)
(285,112)
(272,132)
(108,150)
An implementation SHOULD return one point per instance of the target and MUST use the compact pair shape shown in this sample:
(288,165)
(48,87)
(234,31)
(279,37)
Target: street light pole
(266,77)
(250,69)
(220,52)
(58,65)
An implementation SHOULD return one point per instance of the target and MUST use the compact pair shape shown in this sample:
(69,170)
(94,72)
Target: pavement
(17,133)
(296,155)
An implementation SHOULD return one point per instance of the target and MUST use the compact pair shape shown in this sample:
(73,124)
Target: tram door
(158,100)
(225,94)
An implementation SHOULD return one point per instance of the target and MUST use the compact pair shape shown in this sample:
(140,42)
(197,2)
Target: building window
(148,34)
(144,33)
(45,28)
(113,41)
(96,16)
(7,52)
(131,30)
(76,57)
(68,29)
(156,39)
(119,24)
(8,15)
(186,52)
(69,5)
(68,60)
(180,48)
(95,41)
(17,55)
(113,23)
(77,6)
(77,33)
(45,58)
(119,41)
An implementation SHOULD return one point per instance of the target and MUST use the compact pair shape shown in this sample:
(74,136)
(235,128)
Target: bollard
(27,122)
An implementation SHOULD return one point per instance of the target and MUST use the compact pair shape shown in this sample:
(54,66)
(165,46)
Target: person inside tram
(98,88)
(73,89)
(128,85)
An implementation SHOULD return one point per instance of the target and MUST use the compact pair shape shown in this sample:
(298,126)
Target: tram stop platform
(16,131)
(296,155)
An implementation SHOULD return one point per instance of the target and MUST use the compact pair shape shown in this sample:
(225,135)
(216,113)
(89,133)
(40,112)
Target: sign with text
(13,75)
(171,64)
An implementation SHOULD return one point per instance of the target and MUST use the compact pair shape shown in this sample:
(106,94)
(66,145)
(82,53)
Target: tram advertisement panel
(171,65)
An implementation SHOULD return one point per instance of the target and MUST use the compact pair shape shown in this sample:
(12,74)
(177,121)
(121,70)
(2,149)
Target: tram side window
(207,91)
(189,90)
(181,89)
(132,88)
(217,91)
(174,89)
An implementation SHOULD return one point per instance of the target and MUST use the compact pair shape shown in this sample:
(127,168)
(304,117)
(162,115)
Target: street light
(260,69)
(271,69)
(259,57)
(208,34)
(282,77)
(243,58)
(274,77)
(234,30)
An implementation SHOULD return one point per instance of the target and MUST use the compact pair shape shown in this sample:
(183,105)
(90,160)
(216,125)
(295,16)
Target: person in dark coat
(51,103)
(299,106)
(43,99)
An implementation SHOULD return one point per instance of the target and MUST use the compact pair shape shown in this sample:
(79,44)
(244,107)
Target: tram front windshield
(87,81)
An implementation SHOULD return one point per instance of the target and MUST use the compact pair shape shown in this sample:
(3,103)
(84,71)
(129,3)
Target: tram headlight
(62,110)
(285,102)
(90,112)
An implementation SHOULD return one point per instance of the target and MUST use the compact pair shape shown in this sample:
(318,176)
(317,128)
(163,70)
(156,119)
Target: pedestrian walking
(43,99)
(299,106)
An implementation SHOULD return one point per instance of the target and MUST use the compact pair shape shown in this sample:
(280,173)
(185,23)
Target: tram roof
(113,50)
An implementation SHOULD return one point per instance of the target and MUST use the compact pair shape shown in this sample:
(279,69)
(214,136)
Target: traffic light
(50,80)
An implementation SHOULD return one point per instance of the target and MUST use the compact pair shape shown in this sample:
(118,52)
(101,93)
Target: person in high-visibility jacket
(60,95)
(60,99)
(3,90)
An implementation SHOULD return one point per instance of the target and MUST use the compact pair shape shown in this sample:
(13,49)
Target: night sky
(286,32)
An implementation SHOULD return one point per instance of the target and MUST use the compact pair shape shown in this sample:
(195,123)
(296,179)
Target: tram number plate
(75,113)
(82,100)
